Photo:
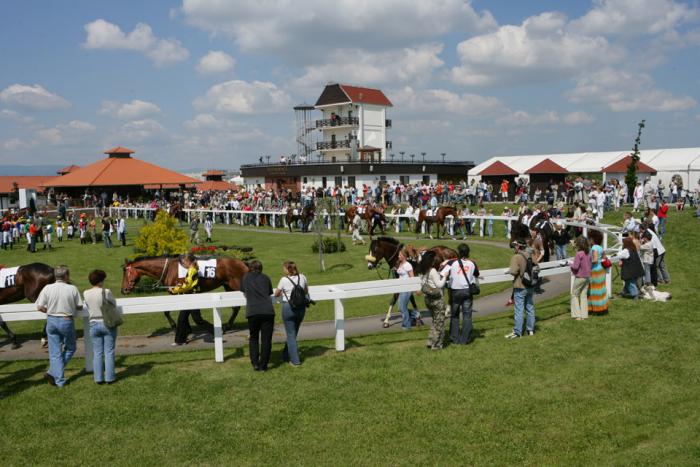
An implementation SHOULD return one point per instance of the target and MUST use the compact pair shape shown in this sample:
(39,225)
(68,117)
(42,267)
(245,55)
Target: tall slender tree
(631,176)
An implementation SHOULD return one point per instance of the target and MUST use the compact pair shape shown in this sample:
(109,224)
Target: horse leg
(11,335)
(234,314)
(171,322)
(393,301)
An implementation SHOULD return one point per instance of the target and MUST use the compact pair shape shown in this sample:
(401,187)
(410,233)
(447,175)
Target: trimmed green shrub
(162,237)
(330,245)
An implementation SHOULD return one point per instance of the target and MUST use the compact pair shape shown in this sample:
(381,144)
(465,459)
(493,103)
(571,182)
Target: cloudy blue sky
(212,83)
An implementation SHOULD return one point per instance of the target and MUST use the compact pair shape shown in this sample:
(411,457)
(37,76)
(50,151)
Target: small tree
(631,176)
(162,237)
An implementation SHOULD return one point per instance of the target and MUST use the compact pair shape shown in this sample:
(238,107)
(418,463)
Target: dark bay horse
(439,253)
(371,215)
(387,249)
(306,215)
(541,225)
(229,272)
(28,283)
(439,217)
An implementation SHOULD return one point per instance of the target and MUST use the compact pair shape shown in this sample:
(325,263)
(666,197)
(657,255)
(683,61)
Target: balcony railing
(338,121)
(387,123)
(341,144)
(388,160)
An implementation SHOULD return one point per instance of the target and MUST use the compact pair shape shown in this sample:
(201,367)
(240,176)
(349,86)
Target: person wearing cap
(523,296)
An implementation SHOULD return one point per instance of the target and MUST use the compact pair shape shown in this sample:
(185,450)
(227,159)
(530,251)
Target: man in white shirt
(462,272)
(121,229)
(61,302)
(659,273)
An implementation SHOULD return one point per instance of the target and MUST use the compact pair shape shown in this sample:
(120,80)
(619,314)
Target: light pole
(402,153)
(412,157)
(392,157)
(423,154)
(443,154)
(268,160)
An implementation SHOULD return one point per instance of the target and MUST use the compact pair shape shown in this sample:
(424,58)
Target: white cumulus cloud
(540,49)
(146,130)
(443,101)
(623,91)
(129,110)
(215,61)
(297,31)
(633,17)
(522,118)
(357,66)
(103,35)
(578,118)
(34,97)
(242,97)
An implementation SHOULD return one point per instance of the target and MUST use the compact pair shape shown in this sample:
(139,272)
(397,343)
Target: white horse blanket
(207,269)
(7,277)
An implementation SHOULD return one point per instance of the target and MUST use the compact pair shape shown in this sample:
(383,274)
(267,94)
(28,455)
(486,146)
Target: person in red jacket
(33,231)
(662,214)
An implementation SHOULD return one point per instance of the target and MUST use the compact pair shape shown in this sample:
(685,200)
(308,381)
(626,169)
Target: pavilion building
(119,173)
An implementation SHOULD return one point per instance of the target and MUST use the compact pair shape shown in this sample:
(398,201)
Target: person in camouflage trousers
(432,283)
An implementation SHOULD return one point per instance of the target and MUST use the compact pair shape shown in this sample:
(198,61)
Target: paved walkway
(129,345)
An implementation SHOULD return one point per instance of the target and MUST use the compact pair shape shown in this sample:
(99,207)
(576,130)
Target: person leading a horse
(189,285)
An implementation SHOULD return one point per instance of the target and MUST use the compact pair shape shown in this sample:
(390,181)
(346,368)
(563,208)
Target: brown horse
(27,283)
(371,215)
(306,215)
(229,272)
(437,218)
(440,253)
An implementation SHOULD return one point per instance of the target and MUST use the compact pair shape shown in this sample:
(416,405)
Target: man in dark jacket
(260,313)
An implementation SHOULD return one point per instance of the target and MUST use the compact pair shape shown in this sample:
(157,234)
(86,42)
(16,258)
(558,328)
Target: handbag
(606,263)
(474,288)
(110,313)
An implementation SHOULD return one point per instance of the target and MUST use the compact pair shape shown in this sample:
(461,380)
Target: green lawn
(614,390)
(271,248)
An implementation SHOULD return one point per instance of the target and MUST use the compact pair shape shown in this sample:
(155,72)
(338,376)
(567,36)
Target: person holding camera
(293,289)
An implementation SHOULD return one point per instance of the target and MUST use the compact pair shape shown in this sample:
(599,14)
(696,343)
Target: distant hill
(29,169)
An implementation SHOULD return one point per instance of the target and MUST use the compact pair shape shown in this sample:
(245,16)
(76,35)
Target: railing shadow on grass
(18,381)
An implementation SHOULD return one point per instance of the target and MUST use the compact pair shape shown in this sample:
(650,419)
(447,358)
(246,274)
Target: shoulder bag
(474,288)
(110,313)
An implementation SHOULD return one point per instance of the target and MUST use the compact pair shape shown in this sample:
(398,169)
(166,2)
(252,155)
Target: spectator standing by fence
(104,338)
(293,312)
(581,270)
(523,294)
(61,302)
(260,314)
(597,291)
(462,272)
(432,283)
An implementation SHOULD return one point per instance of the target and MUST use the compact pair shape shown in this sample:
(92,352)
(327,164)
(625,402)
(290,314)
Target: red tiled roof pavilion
(621,166)
(498,168)
(547,166)
(120,169)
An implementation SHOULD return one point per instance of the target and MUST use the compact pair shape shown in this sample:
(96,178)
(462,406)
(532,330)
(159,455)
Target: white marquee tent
(667,163)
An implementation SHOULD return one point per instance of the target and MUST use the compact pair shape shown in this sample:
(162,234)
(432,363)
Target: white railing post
(339,325)
(87,340)
(218,332)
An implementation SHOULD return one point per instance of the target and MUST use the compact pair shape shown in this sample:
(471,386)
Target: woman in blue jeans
(292,317)
(103,338)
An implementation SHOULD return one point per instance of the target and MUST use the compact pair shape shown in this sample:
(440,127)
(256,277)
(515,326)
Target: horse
(539,223)
(306,216)
(439,254)
(387,249)
(369,215)
(438,217)
(28,283)
(229,272)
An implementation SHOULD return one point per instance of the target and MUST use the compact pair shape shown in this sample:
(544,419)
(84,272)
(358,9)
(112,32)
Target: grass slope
(620,389)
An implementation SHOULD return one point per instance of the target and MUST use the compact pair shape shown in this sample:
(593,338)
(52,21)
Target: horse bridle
(158,284)
(388,262)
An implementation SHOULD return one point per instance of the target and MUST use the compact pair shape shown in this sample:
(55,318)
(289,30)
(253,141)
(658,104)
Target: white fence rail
(335,292)
(217,301)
